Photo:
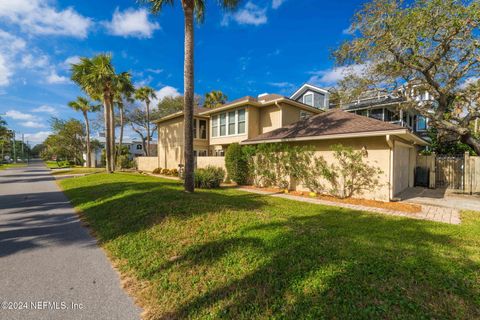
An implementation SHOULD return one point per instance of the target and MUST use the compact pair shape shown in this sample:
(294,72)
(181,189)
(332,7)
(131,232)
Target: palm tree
(214,99)
(85,106)
(97,77)
(123,92)
(145,94)
(191,8)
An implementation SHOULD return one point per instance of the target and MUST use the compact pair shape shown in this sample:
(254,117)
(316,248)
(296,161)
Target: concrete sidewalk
(50,267)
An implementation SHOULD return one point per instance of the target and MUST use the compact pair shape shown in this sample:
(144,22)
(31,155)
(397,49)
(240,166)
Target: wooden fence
(460,172)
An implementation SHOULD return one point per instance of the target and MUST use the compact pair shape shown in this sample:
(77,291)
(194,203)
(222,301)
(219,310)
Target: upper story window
(229,123)
(304,115)
(308,99)
(199,129)
(422,123)
(139,147)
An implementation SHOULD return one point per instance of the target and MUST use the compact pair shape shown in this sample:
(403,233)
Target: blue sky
(266,46)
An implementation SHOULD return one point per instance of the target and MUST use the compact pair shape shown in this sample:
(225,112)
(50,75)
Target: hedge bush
(209,178)
(157,171)
(237,164)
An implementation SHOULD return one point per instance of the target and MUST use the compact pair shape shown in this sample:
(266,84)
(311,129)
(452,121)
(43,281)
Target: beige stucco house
(272,118)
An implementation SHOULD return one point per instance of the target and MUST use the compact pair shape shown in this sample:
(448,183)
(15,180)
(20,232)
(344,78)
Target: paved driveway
(441,198)
(49,264)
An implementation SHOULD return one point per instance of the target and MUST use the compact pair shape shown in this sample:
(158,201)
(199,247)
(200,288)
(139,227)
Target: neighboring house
(135,149)
(273,118)
(376,104)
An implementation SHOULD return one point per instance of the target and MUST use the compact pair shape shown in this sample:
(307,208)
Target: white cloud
(349,31)
(71,60)
(156,71)
(277,3)
(45,109)
(281,84)
(131,23)
(332,76)
(37,137)
(38,17)
(5,71)
(251,14)
(30,61)
(166,91)
(32,124)
(17,115)
(55,78)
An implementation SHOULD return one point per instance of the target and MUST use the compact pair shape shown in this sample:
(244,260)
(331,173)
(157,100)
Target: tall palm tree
(214,99)
(85,106)
(145,94)
(123,92)
(191,9)
(97,77)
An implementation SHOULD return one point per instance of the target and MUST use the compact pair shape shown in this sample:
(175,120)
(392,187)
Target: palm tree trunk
(106,115)
(89,153)
(188,95)
(148,128)
(120,139)
(112,136)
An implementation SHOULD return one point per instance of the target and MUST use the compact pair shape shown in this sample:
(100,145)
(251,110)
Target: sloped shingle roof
(328,123)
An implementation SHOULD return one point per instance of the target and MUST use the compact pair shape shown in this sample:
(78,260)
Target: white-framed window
(308,99)
(195,131)
(232,123)
(241,121)
(229,123)
(215,126)
(223,124)
(422,123)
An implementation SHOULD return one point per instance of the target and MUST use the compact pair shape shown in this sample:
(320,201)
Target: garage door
(401,169)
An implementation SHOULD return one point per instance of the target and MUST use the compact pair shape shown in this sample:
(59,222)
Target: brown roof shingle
(328,123)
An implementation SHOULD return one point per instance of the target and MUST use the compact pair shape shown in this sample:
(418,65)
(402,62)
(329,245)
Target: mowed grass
(235,255)
(77,170)
(12,165)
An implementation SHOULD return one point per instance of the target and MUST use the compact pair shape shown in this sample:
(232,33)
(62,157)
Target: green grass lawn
(77,170)
(236,255)
(11,165)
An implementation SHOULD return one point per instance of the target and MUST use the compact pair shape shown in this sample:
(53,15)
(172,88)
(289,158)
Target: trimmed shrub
(166,171)
(157,171)
(237,164)
(174,172)
(209,178)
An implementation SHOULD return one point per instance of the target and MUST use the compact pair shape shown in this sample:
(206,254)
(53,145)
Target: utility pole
(23,148)
(14,148)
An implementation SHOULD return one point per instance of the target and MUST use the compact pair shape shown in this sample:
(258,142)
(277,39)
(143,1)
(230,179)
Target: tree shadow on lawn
(306,261)
(339,265)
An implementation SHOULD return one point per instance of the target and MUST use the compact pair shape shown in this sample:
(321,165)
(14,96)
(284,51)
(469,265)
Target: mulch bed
(397,206)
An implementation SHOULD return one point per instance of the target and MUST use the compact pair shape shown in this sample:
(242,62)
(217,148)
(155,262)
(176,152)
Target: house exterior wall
(147,163)
(378,155)
(291,114)
(270,118)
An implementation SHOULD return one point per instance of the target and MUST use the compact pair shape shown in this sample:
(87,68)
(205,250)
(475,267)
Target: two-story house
(376,104)
(215,129)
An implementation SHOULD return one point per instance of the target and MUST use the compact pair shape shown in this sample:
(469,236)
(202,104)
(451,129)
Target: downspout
(390,178)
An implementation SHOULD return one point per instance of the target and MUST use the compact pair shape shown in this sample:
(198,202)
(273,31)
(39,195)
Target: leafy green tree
(426,46)
(67,141)
(191,9)
(214,99)
(236,163)
(137,118)
(85,106)
(146,94)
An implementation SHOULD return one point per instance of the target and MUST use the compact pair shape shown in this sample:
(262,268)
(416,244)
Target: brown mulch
(397,206)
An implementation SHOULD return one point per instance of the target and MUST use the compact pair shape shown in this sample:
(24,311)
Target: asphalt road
(50,267)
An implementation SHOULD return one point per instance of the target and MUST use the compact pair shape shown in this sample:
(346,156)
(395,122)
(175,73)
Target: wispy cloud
(131,23)
(45,109)
(18,115)
(333,75)
(250,14)
(277,3)
(55,78)
(32,124)
(39,17)
(37,137)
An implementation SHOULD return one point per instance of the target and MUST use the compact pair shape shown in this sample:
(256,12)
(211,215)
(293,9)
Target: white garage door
(401,169)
